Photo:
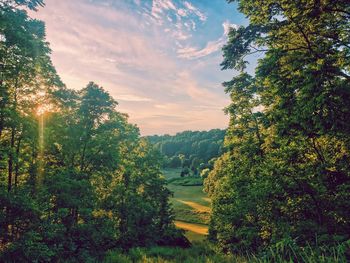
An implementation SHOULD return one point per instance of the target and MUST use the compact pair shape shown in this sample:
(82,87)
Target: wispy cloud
(160,6)
(195,10)
(134,98)
(137,54)
(211,46)
(180,35)
(182,12)
(192,52)
(180,18)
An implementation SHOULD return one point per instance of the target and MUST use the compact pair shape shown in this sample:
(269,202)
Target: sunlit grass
(196,228)
(191,206)
(198,207)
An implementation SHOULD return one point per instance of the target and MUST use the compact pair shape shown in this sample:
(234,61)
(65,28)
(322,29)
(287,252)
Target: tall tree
(286,175)
(76,179)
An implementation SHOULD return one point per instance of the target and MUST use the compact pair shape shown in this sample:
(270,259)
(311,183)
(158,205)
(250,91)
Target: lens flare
(44,108)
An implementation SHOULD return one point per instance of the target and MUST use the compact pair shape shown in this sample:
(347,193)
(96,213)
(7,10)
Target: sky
(160,59)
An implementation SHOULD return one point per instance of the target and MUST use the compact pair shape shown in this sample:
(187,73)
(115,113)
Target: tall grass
(289,252)
(199,252)
(204,252)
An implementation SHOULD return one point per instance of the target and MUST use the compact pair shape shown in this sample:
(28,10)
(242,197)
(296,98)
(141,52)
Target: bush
(30,248)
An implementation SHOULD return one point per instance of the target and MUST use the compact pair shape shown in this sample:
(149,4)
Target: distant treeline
(192,150)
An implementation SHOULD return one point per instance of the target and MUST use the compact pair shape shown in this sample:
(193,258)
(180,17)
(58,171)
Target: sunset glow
(159,59)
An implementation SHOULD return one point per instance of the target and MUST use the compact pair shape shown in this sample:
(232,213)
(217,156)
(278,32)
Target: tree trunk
(10,160)
(17,161)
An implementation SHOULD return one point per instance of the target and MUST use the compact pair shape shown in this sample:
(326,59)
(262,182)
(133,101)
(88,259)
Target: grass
(193,194)
(199,252)
(195,206)
(204,252)
(186,181)
(170,173)
(195,228)
(192,210)
(191,206)
(195,237)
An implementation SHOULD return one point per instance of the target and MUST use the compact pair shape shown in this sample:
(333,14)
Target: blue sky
(159,59)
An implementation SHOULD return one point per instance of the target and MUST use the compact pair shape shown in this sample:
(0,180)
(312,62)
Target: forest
(193,151)
(78,182)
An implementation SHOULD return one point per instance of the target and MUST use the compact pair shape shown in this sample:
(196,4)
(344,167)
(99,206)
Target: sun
(44,103)
(42,109)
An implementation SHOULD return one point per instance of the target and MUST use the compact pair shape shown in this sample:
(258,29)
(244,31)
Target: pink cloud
(131,59)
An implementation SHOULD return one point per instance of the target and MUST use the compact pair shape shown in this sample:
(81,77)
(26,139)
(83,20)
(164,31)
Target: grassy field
(192,209)
(170,173)
(191,206)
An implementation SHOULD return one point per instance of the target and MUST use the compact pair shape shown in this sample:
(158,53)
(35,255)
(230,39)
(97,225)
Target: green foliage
(189,148)
(204,173)
(285,175)
(185,171)
(76,178)
(31,4)
(200,252)
(203,252)
(174,162)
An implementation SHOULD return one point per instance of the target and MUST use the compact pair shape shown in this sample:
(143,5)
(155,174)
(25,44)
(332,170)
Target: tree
(185,171)
(101,186)
(175,162)
(203,145)
(31,4)
(26,71)
(284,175)
(195,165)
(76,179)
(204,173)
